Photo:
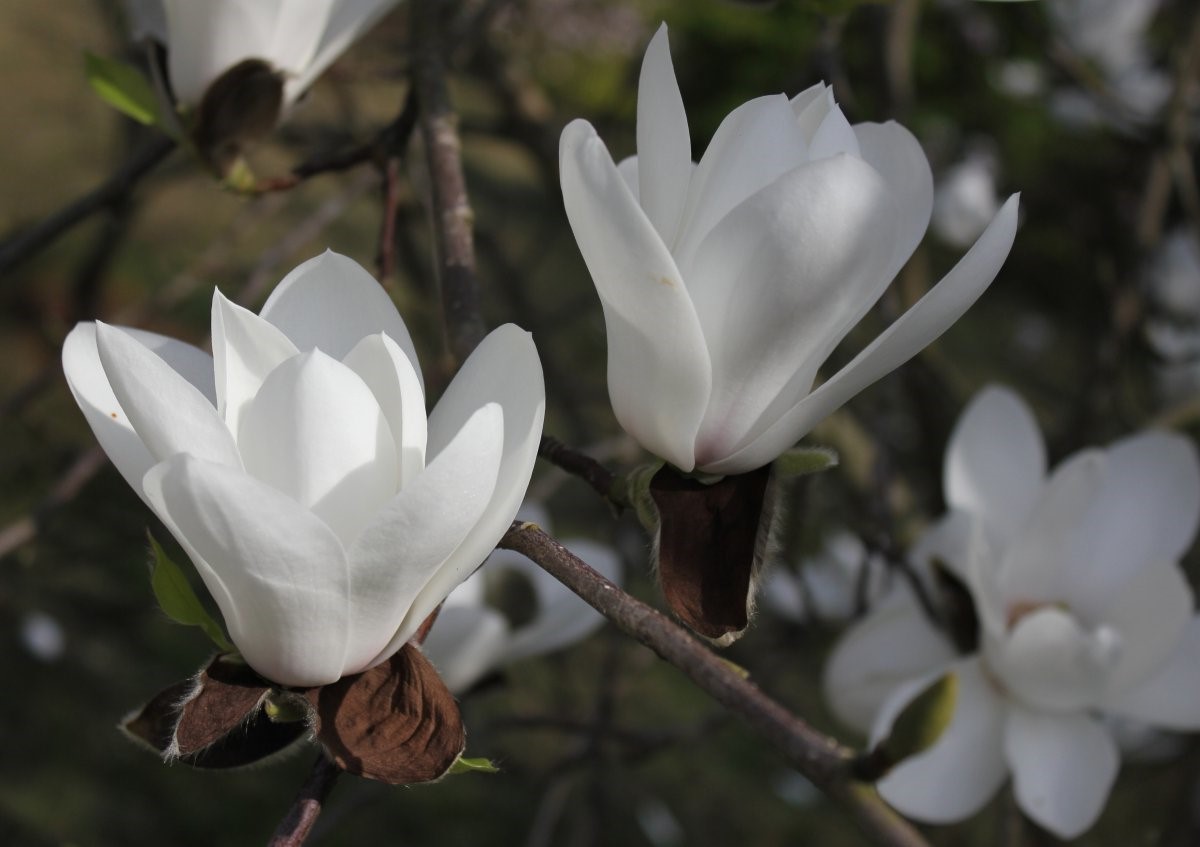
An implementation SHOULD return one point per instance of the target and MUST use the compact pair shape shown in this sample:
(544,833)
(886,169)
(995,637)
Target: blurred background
(1090,108)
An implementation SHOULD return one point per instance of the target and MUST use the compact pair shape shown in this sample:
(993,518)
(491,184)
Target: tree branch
(452,214)
(820,758)
(577,464)
(296,825)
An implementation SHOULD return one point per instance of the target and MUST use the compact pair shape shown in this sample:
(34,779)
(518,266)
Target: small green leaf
(462,765)
(178,600)
(637,494)
(923,720)
(801,461)
(123,87)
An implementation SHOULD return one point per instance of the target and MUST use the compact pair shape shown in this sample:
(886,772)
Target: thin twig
(585,467)
(20,247)
(25,528)
(296,825)
(452,214)
(820,758)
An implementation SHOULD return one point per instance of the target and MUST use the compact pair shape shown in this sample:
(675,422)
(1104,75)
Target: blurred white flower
(1083,611)
(965,200)
(511,609)
(326,515)
(1173,279)
(726,284)
(1021,78)
(43,636)
(826,588)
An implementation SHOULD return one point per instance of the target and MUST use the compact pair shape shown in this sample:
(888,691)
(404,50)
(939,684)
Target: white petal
(409,539)
(948,543)
(283,570)
(350,19)
(1145,514)
(331,303)
(756,143)
(245,349)
(916,328)
(1034,568)
(1049,661)
(892,644)
(206,39)
(389,374)
(956,777)
(1151,613)
(778,283)
(1170,697)
(663,144)
(834,135)
(628,169)
(504,369)
(995,462)
(465,643)
(90,387)
(810,108)
(893,151)
(315,432)
(297,32)
(1063,767)
(659,374)
(562,617)
(169,414)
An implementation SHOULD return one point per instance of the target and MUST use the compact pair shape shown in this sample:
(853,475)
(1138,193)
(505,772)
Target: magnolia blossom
(476,631)
(828,586)
(1083,612)
(726,284)
(298,39)
(296,467)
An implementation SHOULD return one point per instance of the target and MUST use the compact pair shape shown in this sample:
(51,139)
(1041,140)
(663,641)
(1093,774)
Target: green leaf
(123,87)
(178,600)
(462,765)
(637,494)
(801,461)
(923,720)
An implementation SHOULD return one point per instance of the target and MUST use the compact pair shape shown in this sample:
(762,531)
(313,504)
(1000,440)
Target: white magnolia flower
(827,587)
(965,200)
(326,515)
(726,284)
(298,39)
(1083,612)
(472,637)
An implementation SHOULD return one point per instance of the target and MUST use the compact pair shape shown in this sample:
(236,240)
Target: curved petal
(894,643)
(834,135)
(331,303)
(1034,568)
(245,349)
(756,143)
(91,389)
(1063,767)
(947,543)
(778,283)
(205,39)
(389,374)
(297,32)
(897,155)
(806,98)
(663,144)
(315,432)
(995,462)
(464,644)
(169,414)
(1170,698)
(916,328)
(504,369)
(659,375)
(956,777)
(350,19)
(1144,514)
(1049,661)
(562,617)
(1151,613)
(283,570)
(409,539)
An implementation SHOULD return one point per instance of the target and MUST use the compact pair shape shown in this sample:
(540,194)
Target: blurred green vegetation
(1056,325)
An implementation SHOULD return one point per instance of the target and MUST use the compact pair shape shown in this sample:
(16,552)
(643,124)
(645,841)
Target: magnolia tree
(963,625)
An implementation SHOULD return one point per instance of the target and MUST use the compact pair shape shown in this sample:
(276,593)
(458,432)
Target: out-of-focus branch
(585,467)
(452,214)
(20,247)
(297,824)
(25,528)
(820,758)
